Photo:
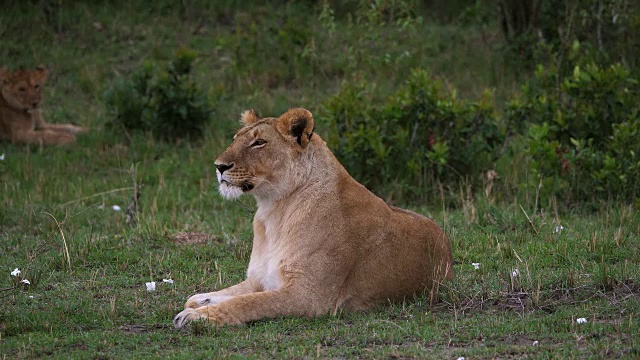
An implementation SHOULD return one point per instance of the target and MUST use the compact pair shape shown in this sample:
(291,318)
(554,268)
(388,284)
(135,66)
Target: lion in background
(21,119)
(322,241)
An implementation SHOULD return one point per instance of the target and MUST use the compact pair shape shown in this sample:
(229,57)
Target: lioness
(20,117)
(322,241)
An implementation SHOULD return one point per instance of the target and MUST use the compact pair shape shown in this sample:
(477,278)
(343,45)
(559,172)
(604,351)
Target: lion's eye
(258,143)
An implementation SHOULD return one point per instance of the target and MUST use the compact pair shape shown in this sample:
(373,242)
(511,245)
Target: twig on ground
(131,211)
(530,222)
(94,195)
(64,241)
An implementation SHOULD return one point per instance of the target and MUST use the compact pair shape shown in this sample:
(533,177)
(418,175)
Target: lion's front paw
(62,138)
(199,300)
(185,316)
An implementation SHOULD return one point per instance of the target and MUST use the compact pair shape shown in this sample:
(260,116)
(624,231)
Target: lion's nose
(223,167)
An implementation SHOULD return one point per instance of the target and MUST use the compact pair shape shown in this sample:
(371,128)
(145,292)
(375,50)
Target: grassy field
(538,273)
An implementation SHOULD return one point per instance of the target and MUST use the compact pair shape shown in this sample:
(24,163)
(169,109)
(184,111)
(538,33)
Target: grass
(88,269)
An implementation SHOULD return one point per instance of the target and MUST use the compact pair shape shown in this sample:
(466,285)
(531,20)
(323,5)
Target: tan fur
(322,241)
(20,116)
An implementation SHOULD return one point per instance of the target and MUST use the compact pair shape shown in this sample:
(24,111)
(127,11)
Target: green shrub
(615,171)
(167,103)
(573,138)
(418,138)
(548,164)
(581,131)
(127,101)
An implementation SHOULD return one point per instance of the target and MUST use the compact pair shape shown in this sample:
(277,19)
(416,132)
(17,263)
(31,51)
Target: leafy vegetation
(416,140)
(580,132)
(528,156)
(168,104)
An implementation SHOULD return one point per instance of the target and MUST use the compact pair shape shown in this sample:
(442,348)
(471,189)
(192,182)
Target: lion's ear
(298,124)
(249,117)
(43,72)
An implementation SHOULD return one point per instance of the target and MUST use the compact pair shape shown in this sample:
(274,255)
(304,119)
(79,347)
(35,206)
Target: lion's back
(398,253)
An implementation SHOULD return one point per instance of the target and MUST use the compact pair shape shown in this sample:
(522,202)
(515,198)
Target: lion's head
(265,156)
(22,89)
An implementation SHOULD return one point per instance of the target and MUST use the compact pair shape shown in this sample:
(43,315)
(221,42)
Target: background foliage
(168,104)
(415,140)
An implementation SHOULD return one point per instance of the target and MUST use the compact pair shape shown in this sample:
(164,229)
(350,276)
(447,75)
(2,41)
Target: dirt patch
(515,300)
(79,347)
(138,329)
(192,238)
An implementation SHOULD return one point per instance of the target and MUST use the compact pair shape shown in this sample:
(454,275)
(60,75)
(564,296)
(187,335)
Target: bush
(574,137)
(167,103)
(419,138)
(582,131)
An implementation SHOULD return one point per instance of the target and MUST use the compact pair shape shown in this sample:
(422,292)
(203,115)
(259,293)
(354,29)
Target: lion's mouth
(245,186)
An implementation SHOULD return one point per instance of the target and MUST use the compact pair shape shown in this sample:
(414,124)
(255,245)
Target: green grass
(93,303)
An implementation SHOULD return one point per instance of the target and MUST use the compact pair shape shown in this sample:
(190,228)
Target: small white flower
(170,281)
(31,296)
(476,265)
(151,286)
(2,157)
(101,207)
(535,343)
(25,281)
(16,272)
(116,208)
(515,272)
(581,320)
(558,228)
(461,358)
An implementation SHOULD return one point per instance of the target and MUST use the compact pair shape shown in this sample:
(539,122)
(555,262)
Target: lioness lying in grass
(21,120)
(322,241)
